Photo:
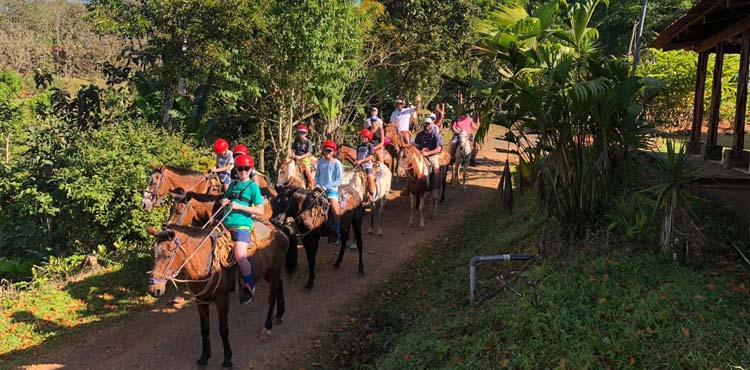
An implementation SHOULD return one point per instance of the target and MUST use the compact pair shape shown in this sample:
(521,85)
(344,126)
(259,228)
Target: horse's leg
(372,216)
(421,207)
(206,340)
(413,198)
(273,290)
(381,209)
(444,179)
(311,250)
(280,303)
(357,226)
(464,168)
(344,240)
(222,307)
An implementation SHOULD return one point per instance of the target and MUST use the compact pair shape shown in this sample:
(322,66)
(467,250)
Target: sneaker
(333,238)
(247,295)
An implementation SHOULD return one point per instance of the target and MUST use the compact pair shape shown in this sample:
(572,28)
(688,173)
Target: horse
(349,153)
(308,210)
(290,175)
(197,209)
(210,270)
(462,157)
(166,178)
(358,180)
(420,180)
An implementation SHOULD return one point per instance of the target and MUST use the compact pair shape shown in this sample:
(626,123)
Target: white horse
(358,180)
(462,157)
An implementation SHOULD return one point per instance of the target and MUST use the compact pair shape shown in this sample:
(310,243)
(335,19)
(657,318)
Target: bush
(77,189)
(10,85)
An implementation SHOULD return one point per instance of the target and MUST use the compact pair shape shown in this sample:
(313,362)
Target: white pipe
(479,259)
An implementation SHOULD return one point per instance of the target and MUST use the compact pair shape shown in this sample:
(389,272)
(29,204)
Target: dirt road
(170,338)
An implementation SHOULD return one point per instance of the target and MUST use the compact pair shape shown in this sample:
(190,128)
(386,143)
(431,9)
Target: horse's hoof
(465,188)
(265,335)
(361,272)
(308,286)
(203,361)
(369,232)
(380,233)
(337,266)
(278,320)
(227,365)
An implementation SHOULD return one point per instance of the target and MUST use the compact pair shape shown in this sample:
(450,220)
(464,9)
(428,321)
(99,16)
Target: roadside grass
(48,312)
(603,306)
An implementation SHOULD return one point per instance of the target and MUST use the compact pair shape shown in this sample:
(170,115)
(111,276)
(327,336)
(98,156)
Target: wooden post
(741,104)
(700,89)
(713,120)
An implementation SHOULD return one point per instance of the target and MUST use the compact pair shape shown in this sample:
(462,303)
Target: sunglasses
(327,150)
(242,169)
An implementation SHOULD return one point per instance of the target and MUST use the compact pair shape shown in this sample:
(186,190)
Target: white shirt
(401,118)
(369,120)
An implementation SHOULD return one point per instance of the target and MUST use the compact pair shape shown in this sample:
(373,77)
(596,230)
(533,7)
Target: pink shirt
(465,123)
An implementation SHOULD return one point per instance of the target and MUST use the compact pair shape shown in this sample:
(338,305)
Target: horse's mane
(195,232)
(204,197)
(350,146)
(181,171)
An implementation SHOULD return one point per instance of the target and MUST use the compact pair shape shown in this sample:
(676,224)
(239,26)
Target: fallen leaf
(407,356)
(562,363)
(505,364)
(685,332)
(602,300)
(649,331)
(711,286)
(699,297)
(631,360)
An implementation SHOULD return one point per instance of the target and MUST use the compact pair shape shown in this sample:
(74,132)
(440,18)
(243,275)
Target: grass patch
(604,307)
(33,319)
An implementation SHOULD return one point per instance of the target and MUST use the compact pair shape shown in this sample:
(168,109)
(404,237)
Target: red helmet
(329,144)
(366,133)
(244,160)
(220,146)
(302,128)
(240,149)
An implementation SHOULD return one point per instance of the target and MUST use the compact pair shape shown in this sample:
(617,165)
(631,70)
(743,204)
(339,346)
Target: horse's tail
(290,263)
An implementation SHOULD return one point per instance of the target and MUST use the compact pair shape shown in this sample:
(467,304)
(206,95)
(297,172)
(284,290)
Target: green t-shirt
(246,193)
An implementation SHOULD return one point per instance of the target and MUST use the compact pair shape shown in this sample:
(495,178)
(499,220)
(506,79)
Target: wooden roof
(705,25)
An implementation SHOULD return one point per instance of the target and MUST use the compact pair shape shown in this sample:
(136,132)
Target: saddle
(222,244)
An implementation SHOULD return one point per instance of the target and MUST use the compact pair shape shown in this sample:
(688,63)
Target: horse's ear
(152,230)
(170,234)
(153,166)
(178,193)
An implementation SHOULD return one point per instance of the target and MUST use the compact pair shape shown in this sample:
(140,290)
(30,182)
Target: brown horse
(197,209)
(348,153)
(421,181)
(205,256)
(168,178)
(309,211)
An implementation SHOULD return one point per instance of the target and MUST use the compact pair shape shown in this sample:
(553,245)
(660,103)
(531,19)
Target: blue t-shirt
(246,193)
(430,140)
(329,174)
(365,150)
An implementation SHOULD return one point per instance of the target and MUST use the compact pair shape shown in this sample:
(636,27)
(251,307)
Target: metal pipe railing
(479,259)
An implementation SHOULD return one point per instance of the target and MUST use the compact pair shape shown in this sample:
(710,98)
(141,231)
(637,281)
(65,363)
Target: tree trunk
(167,103)
(262,153)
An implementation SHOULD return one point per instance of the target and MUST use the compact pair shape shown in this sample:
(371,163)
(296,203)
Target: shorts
(225,178)
(368,170)
(241,235)
(305,162)
(332,194)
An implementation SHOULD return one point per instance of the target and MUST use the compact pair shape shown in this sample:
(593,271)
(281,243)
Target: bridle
(316,203)
(153,194)
(164,278)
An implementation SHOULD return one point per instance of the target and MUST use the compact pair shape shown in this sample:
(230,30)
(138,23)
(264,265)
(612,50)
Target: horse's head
(156,187)
(314,208)
(406,159)
(280,203)
(180,207)
(464,143)
(168,255)
(286,172)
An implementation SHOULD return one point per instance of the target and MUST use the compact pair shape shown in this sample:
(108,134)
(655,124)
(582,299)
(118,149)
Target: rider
(328,177)
(302,153)
(402,117)
(245,201)
(365,155)
(370,121)
(462,123)
(224,162)
(377,139)
(237,151)
(431,144)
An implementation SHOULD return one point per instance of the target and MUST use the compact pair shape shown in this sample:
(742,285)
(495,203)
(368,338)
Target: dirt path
(169,339)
